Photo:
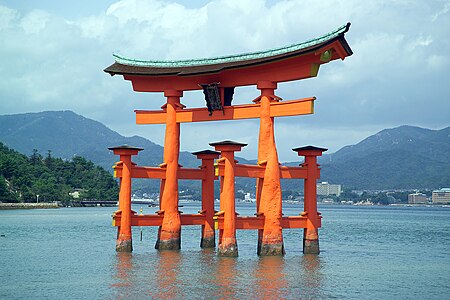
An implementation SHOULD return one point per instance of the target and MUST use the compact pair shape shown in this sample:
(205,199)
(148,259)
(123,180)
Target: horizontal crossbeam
(199,219)
(241,170)
(254,171)
(156,220)
(160,173)
(258,222)
(235,112)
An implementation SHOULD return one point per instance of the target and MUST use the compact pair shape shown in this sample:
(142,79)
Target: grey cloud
(397,75)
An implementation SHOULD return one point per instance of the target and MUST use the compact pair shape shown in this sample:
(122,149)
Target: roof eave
(116,68)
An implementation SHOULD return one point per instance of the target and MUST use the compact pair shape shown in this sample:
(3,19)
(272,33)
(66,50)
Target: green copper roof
(232,58)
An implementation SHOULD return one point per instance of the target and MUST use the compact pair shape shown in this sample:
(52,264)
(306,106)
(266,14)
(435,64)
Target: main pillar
(169,234)
(124,241)
(208,234)
(311,233)
(268,189)
(227,239)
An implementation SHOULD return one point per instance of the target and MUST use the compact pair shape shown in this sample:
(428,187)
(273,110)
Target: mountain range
(67,134)
(402,157)
(398,158)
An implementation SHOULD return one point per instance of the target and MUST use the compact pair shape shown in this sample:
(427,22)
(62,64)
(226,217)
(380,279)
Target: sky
(52,56)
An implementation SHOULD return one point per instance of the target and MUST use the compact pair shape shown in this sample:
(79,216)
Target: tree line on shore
(47,179)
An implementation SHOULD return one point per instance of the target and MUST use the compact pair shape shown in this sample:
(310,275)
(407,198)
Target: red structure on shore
(218,77)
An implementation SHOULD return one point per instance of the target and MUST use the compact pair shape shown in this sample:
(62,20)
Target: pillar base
(124,246)
(208,242)
(170,244)
(230,250)
(271,249)
(311,246)
(260,235)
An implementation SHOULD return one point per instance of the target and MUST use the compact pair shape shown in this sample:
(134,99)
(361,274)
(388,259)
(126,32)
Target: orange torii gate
(218,77)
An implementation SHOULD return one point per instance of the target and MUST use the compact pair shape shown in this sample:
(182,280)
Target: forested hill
(22,178)
(405,157)
(397,158)
(432,144)
(67,134)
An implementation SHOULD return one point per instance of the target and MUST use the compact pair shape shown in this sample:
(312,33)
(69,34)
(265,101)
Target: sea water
(366,252)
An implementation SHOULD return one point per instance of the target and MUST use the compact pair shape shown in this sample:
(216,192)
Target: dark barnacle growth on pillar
(124,246)
(173,243)
(311,246)
(208,242)
(230,250)
(271,249)
(170,244)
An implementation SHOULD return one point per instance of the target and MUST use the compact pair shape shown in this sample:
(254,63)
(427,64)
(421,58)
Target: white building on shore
(441,196)
(326,189)
(417,198)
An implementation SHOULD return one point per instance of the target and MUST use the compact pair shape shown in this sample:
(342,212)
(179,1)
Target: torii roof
(207,69)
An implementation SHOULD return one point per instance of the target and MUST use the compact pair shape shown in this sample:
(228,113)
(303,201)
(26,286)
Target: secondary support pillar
(311,233)
(268,194)
(208,234)
(124,238)
(169,234)
(227,239)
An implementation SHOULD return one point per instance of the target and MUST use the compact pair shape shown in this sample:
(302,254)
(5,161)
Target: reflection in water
(204,275)
(313,277)
(270,277)
(208,257)
(226,278)
(123,275)
(167,281)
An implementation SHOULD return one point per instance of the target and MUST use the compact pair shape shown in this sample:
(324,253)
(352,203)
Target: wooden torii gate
(218,77)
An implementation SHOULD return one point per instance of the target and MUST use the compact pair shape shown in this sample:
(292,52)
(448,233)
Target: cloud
(397,75)
(7,17)
(34,21)
(443,11)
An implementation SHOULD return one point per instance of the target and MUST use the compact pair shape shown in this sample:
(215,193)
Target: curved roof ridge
(230,58)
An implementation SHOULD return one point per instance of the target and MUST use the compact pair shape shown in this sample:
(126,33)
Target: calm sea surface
(367,252)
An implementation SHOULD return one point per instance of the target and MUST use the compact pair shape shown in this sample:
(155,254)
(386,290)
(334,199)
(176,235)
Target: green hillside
(22,178)
(390,169)
(404,157)
(68,134)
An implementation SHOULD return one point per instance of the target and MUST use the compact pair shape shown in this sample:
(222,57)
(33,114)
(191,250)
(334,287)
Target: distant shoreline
(4,206)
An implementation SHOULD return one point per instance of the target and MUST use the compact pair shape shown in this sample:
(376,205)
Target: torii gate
(218,77)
